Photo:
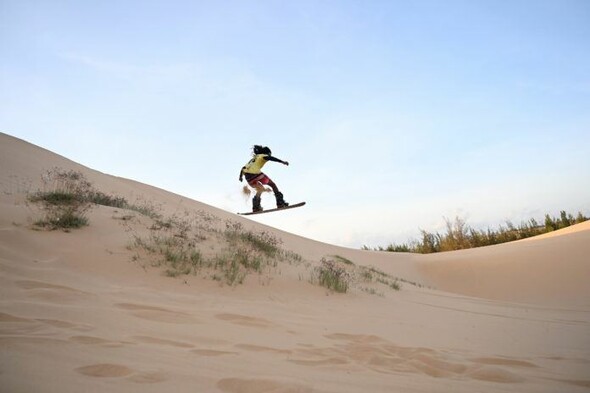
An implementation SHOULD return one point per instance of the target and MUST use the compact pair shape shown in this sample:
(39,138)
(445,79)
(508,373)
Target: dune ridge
(79,313)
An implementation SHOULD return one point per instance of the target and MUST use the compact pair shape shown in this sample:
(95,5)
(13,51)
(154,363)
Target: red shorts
(258,180)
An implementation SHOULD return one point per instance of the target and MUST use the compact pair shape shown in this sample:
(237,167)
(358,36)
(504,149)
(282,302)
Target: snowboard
(273,210)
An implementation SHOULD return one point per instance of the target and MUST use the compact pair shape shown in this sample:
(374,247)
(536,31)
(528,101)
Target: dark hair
(258,149)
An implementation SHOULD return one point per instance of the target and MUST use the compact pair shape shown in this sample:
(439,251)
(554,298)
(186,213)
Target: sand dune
(84,311)
(549,269)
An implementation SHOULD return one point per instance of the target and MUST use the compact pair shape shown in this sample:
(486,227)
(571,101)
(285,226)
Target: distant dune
(96,310)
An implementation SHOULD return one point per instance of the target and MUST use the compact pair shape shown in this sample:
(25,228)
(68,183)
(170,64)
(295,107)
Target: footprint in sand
(13,325)
(495,374)
(10,324)
(149,377)
(260,348)
(29,341)
(580,383)
(242,385)
(245,320)
(212,352)
(161,341)
(311,356)
(105,370)
(377,354)
(52,292)
(91,340)
(157,314)
(110,370)
(504,362)
(13,319)
(65,324)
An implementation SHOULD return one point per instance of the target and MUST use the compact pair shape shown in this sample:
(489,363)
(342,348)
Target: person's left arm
(271,158)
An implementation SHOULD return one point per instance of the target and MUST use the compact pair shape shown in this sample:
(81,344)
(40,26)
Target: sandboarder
(257,179)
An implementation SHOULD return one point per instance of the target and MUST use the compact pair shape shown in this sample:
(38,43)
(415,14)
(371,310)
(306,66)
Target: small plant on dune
(145,208)
(67,196)
(263,242)
(232,266)
(175,244)
(100,198)
(341,274)
(63,199)
(395,285)
(332,276)
(366,275)
(228,270)
(343,260)
(179,255)
(291,256)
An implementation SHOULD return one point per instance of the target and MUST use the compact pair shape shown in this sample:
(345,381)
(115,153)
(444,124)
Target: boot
(256,204)
(280,201)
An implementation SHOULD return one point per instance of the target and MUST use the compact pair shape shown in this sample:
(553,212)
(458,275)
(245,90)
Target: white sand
(78,314)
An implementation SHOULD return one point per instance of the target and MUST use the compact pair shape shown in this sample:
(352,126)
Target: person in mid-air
(257,179)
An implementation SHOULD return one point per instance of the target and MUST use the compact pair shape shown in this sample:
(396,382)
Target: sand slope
(78,313)
(548,269)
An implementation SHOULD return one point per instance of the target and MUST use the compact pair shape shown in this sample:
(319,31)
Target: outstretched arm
(271,158)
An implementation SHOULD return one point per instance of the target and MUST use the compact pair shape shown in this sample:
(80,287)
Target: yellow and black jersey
(254,166)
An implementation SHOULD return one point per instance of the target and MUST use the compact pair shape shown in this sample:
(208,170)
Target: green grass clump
(177,245)
(332,276)
(67,196)
(262,242)
(180,256)
(63,220)
(100,198)
(228,270)
(63,200)
(343,260)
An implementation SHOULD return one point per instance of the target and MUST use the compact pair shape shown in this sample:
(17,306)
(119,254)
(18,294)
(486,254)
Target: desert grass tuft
(332,276)
(175,243)
(63,200)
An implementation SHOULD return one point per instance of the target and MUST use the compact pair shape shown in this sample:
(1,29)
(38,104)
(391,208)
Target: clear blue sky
(393,114)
